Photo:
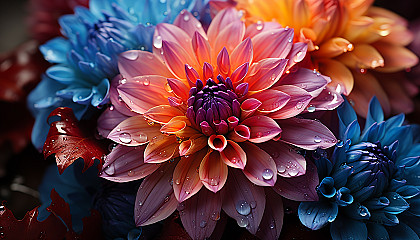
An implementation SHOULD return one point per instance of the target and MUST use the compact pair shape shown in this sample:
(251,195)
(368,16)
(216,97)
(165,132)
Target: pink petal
(230,37)
(396,58)
(299,100)
(233,155)
(117,102)
(213,171)
(265,73)
(161,148)
(126,164)
(186,179)
(239,74)
(260,168)
(109,120)
(262,128)
(307,134)
(302,188)
(223,63)
(179,88)
(289,163)
(171,33)
(273,44)
(134,131)
(272,100)
(328,99)
(217,142)
(272,220)
(260,27)
(144,92)
(200,214)
(240,133)
(201,48)
(187,22)
(239,194)
(176,57)
(220,21)
(138,63)
(192,75)
(309,80)
(162,114)
(155,199)
(243,53)
(249,106)
(296,54)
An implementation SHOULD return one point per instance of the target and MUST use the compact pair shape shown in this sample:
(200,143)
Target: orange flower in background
(346,40)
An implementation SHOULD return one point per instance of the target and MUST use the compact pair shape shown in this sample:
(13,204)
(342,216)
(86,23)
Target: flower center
(379,161)
(214,107)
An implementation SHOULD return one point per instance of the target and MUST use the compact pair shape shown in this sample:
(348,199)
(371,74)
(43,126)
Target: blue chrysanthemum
(86,58)
(371,187)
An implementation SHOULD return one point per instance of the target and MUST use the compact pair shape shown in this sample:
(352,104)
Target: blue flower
(371,187)
(86,58)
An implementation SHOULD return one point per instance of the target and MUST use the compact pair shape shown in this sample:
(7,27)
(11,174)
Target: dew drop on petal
(110,170)
(215,216)
(259,25)
(243,222)
(281,169)
(311,108)
(253,204)
(186,18)
(125,138)
(317,139)
(299,105)
(131,55)
(293,172)
(142,138)
(146,82)
(181,206)
(243,207)
(157,42)
(203,224)
(363,212)
(131,173)
(267,174)
(214,182)
(167,198)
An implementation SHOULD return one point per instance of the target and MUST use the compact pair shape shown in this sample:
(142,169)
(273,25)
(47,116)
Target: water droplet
(267,174)
(299,105)
(281,169)
(272,225)
(253,204)
(181,206)
(140,203)
(186,17)
(131,173)
(157,42)
(131,55)
(293,172)
(125,138)
(243,222)
(214,182)
(215,216)
(167,198)
(362,70)
(146,82)
(142,138)
(162,1)
(259,134)
(286,28)
(243,208)
(259,25)
(123,81)
(363,211)
(2,208)
(168,87)
(203,224)
(311,108)
(110,170)
(317,139)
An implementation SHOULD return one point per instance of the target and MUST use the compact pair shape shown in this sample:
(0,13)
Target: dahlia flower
(205,105)
(86,58)
(370,189)
(346,40)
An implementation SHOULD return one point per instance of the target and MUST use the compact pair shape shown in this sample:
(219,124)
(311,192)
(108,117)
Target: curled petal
(192,145)
(239,193)
(175,125)
(272,100)
(213,171)
(186,181)
(133,131)
(217,142)
(249,106)
(233,155)
(339,74)
(260,168)
(299,100)
(363,56)
(223,62)
(139,63)
(240,133)
(179,88)
(262,128)
(333,48)
(239,74)
(307,134)
(265,73)
(309,80)
(161,148)
(155,199)
(162,114)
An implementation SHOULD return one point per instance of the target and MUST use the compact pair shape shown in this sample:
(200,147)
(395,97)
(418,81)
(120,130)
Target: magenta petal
(288,162)
(171,33)
(109,120)
(302,188)
(272,100)
(328,99)
(272,221)
(126,164)
(299,100)
(117,103)
(138,63)
(273,44)
(260,168)
(200,213)
(297,54)
(237,195)
(155,199)
(249,106)
(262,128)
(309,80)
(307,134)
(187,22)
(265,73)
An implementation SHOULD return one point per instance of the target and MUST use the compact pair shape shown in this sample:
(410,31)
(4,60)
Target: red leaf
(51,228)
(70,140)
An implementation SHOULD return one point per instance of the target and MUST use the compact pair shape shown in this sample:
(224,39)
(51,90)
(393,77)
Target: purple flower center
(213,106)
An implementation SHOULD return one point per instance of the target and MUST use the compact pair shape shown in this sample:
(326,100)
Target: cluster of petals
(346,40)
(203,106)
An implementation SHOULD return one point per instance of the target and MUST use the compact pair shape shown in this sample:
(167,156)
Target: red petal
(272,221)
(262,128)
(161,148)
(155,199)
(307,134)
(239,193)
(213,171)
(249,106)
(260,168)
(233,155)
(299,100)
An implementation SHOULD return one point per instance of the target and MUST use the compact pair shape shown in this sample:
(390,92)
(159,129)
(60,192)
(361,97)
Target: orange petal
(138,63)
(161,148)
(339,74)
(213,171)
(176,57)
(396,58)
(201,48)
(333,47)
(192,145)
(179,88)
(230,37)
(233,155)
(175,125)
(363,56)
(171,33)
(162,114)
(243,53)
(265,73)
(220,21)
(186,181)
(273,44)
(217,142)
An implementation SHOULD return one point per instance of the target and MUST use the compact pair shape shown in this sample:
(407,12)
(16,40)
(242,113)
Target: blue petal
(402,232)
(375,113)
(352,132)
(316,215)
(134,234)
(341,175)
(402,134)
(377,231)
(144,36)
(101,96)
(55,50)
(345,228)
(384,218)
(408,191)
(326,187)
(70,25)
(395,121)
(414,206)
(357,211)
(344,197)
(97,6)
(377,203)
(61,73)
(414,150)
(412,221)
(85,15)
(346,115)
(364,193)
(82,95)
